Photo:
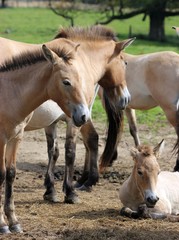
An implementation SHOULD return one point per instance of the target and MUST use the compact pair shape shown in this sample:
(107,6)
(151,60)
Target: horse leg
(172,114)
(70,151)
(90,174)
(3,226)
(53,154)
(9,208)
(127,212)
(142,212)
(131,117)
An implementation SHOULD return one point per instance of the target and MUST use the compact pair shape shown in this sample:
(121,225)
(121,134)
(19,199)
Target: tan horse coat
(68,80)
(149,186)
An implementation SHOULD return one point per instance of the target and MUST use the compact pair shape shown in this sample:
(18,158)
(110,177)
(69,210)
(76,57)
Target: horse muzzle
(125,98)
(80,115)
(151,201)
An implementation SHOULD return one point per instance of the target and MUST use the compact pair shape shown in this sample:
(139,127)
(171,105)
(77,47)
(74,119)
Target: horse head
(146,170)
(114,79)
(67,89)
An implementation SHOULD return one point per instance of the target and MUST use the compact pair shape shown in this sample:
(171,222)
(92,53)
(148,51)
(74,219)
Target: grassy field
(37,25)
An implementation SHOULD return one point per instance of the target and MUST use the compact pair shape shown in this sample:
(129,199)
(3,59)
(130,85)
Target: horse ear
(126,43)
(134,152)
(159,148)
(120,46)
(49,55)
(77,46)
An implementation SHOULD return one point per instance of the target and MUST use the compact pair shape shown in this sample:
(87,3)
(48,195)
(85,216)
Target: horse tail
(115,126)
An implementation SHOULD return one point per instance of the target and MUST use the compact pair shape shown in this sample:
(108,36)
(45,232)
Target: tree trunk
(3,3)
(157,30)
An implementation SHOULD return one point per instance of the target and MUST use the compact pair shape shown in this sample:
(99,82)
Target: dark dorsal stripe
(29,58)
(92,33)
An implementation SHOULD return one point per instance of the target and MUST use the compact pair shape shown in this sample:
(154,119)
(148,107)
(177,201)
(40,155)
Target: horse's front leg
(4,228)
(53,153)
(90,174)
(127,212)
(9,208)
(70,152)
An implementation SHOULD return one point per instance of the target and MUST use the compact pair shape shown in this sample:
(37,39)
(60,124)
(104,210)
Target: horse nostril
(152,200)
(83,118)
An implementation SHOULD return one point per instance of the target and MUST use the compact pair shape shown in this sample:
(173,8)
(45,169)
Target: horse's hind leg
(90,174)
(9,208)
(53,153)
(131,117)
(70,152)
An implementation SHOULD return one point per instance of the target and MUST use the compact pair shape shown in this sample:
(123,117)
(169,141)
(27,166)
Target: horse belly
(141,102)
(44,115)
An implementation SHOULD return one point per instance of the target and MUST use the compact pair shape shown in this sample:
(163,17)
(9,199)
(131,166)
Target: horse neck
(27,92)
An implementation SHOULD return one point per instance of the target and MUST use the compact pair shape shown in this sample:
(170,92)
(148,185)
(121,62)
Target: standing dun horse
(64,71)
(152,80)
(48,115)
(149,192)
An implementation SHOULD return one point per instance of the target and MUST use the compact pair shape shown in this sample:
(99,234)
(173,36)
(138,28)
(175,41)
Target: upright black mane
(28,58)
(95,33)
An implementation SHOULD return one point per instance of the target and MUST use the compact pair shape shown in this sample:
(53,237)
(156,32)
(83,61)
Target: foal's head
(146,170)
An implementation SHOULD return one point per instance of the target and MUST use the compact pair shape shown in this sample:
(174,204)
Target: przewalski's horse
(153,80)
(149,192)
(176,29)
(51,75)
(94,39)
(28,79)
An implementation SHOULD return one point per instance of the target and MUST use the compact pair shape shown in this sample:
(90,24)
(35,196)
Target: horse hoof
(71,199)
(51,198)
(85,188)
(77,185)
(4,230)
(16,228)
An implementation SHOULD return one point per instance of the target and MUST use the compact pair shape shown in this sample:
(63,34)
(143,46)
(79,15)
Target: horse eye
(66,82)
(139,172)
(125,62)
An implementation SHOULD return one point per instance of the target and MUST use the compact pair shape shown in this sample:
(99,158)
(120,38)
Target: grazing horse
(149,192)
(52,72)
(153,80)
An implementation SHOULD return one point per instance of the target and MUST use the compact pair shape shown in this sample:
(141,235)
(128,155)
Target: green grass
(37,25)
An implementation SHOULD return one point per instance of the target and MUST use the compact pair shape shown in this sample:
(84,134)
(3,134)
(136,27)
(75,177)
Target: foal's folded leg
(127,212)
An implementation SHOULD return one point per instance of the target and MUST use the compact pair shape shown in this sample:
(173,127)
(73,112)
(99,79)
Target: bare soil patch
(97,215)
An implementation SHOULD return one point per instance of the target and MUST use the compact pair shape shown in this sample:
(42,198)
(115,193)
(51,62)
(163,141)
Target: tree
(3,3)
(64,9)
(157,10)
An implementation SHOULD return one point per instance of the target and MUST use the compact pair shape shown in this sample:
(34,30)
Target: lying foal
(149,192)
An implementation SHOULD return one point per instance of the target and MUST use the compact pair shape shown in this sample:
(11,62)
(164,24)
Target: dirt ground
(97,214)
